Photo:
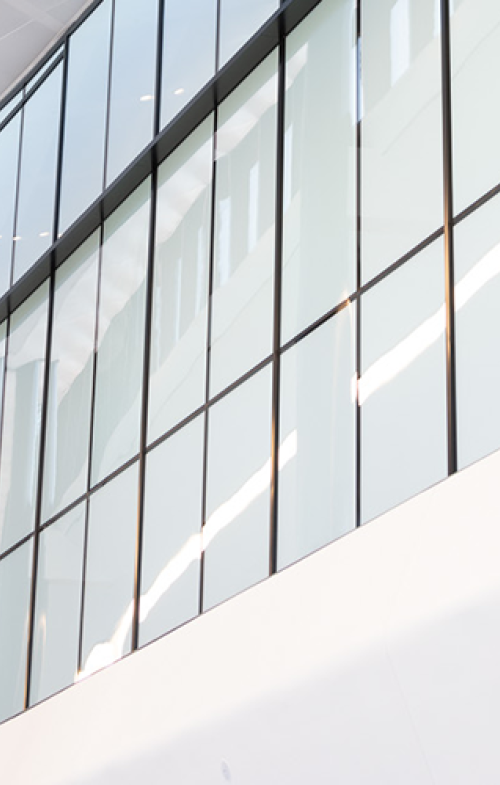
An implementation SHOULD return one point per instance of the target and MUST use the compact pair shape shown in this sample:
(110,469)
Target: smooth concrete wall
(373,661)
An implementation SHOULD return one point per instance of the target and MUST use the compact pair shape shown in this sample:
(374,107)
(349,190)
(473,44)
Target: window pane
(475,63)
(245,201)
(171,548)
(15,586)
(9,156)
(121,335)
(236,532)
(317,439)
(58,602)
(109,577)
(402,388)
(477,292)
(192,21)
(132,82)
(8,108)
(319,263)
(401,165)
(22,417)
(70,380)
(85,122)
(179,323)
(37,185)
(239,20)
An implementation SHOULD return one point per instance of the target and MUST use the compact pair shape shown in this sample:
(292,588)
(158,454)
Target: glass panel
(317,439)
(402,390)
(475,63)
(58,603)
(22,418)
(70,380)
(192,21)
(319,263)
(85,122)
(9,156)
(15,586)
(117,408)
(245,201)
(37,184)
(8,108)
(179,323)
(170,588)
(402,192)
(132,82)
(477,293)
(236,532)
(239,20)
(43,70)
(109,577)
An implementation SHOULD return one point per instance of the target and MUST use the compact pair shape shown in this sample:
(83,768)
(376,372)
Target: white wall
(373,661)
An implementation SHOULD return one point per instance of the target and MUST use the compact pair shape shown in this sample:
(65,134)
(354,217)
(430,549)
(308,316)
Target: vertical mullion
(16,204)
(147,342)
(211,263)
(46,380)
(145,404)
(91,442)
(358,258)
(38,509)
(159,68)
(108,96)
(275,414)
(448,238)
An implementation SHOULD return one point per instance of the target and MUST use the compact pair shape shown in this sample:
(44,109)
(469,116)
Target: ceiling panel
(27,29)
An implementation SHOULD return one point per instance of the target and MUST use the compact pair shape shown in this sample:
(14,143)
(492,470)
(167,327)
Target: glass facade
(248,304)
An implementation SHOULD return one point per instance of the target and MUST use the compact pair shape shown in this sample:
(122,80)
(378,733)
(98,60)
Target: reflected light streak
(108,652)
(401,356)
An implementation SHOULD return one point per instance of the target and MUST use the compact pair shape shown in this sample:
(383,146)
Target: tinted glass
(15,584)
(236,531)
(37,184)
(316,484)
(118,395)
(85,121)
(132,82)
(109,576)
(319,181)
(58,602)
(22,418)
(192,21)
(182,256)
(171,551)
(9,156)
(70,380)
(402,388)
(245,203)
(401,166)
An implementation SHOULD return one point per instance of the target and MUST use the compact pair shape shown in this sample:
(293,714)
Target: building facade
(248,274)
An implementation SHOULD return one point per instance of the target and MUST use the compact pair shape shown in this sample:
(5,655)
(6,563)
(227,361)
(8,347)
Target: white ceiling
(27,29)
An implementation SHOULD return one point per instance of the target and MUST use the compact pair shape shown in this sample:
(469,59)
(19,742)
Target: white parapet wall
(376,660)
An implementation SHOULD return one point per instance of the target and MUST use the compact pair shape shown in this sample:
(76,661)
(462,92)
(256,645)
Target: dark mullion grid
(38,509)
(211,263)
(91,442)
(147,337)
(46,380)
(145,408)
(108,96)
(278,251)
(225,80)
(359,74)
(451,393)
(96,337)
(27,95)
(16,203)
